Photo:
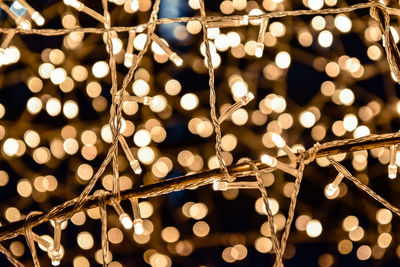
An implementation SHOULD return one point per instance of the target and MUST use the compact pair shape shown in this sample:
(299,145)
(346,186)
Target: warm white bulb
(74,3)
(37,18)
(126,221)
(139,228)
(278,140)
(220,186)
(128,60)
(392,171)
(331,189)
(136,166)
(176,59)
(258,52)
(55,257)
(267,159)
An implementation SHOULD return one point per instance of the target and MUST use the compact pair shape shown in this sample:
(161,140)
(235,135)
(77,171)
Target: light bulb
(176,59)
(138,222)
(23,23)
(74,3)
(247,98)
(220,185)
(37,18)
(124,218)
(278,140)
(392,168)
(258,52)
(125,221)
(55,257)
(392,171)
(331,190)
(135,166)
(134,5)
(270,161)
(55,253)
(132,161)
(139,228)
(128,60)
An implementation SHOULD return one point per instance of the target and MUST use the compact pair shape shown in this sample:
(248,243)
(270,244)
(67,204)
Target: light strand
(327,149)
(212,99)
(103,219)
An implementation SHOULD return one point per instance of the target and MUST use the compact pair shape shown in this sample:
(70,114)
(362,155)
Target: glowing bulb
(10,146)
(23,23)
(189,101)
(126,221)
(139,228)
(158,103)
(135,5)
(392,168)
(267,159)
(392,171)
(258,52)
(58,76)
(74,3)
(128,60)
(178,61)
(278,140)
(331,190)
(283,60)
(37,18)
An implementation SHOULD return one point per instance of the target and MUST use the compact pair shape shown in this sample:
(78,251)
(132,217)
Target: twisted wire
(341,169)
(292,207)
(128,77)
(103,219)
(10,257)
(264,195)
(213,112)
(29,236)
(141,27)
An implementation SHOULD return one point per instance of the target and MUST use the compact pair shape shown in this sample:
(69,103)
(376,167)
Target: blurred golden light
(189,101)
(85,240)
(364,252)
(100,69)
(201,229)
(170,234)
(384,216)
(313,228)
(53,107)
(345,246)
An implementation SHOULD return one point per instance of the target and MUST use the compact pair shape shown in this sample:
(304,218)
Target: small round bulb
(139,228)
(392,171)
(125,221)
(331,190)
(270,161)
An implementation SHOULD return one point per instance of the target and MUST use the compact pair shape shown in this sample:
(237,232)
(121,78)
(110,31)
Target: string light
(274,111)
(223,185)
(243,101)
(132,161)
(274,163)
(172,55)
(35,16)
(123,217)
(332,189)
(260,40)
(392,168)
(55,253)
(137,221)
